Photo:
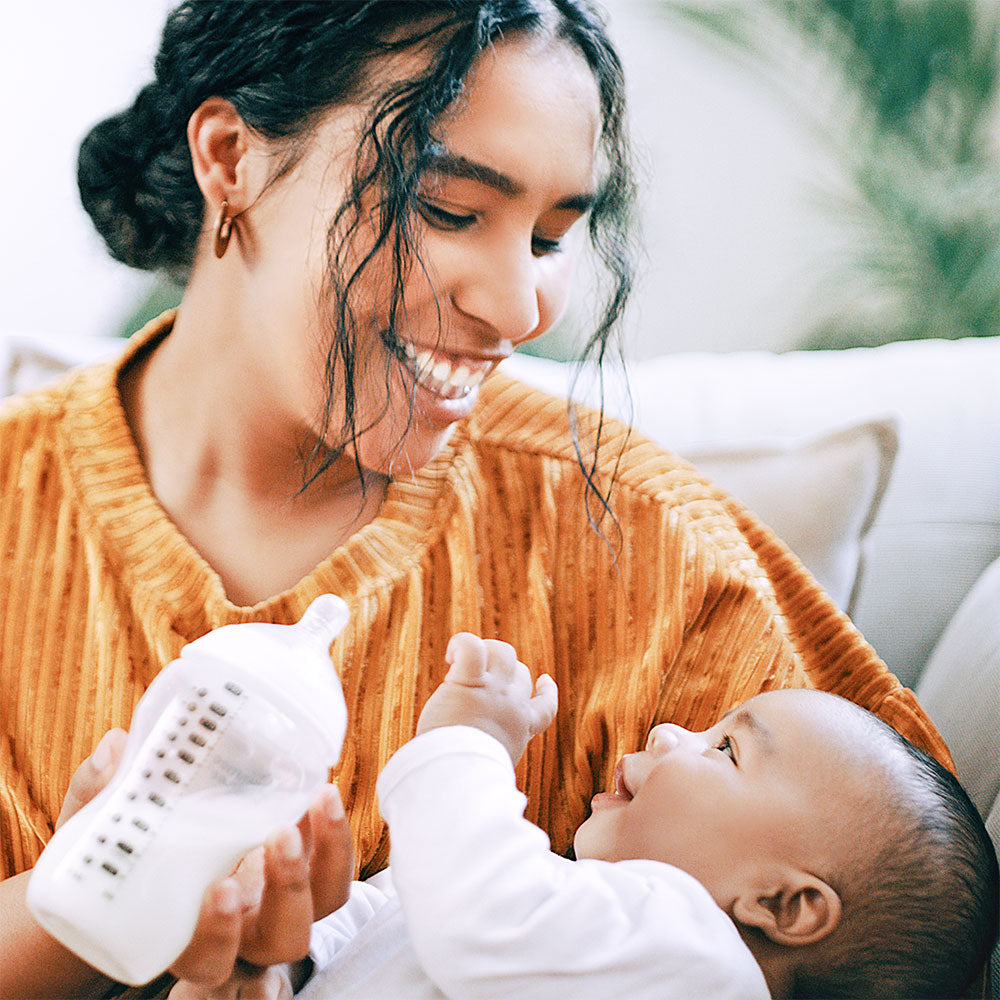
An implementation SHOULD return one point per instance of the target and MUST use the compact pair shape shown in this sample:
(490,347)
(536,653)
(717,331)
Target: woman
(370,210)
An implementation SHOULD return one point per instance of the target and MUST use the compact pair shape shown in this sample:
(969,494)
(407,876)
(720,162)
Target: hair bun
(137,185)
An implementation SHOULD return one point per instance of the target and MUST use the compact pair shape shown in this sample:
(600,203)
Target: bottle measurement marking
(213,719)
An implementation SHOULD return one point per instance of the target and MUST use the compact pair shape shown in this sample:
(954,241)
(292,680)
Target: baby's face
(724,803)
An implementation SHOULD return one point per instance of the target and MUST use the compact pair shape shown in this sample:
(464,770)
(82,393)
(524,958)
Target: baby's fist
(489,688)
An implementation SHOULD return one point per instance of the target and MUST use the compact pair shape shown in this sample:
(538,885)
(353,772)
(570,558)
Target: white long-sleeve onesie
(477,906)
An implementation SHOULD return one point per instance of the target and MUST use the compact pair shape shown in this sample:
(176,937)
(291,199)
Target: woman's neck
(228,465)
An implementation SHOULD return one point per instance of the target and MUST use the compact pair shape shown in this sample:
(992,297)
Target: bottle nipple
(323,620)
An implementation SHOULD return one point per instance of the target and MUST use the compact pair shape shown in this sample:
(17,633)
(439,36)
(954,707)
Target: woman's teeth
(440,376)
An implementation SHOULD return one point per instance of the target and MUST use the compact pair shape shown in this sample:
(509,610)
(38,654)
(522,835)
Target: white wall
(63,66)
(732,232)
(729,231)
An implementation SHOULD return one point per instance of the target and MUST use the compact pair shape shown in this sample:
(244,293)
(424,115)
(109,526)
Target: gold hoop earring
(223,230)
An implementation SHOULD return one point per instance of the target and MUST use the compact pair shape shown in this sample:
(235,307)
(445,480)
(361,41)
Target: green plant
(905,93)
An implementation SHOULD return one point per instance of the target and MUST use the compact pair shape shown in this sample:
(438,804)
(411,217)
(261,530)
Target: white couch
(879,466)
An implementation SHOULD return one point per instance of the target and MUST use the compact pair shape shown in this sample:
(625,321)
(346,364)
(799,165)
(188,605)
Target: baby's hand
(248,982)
(489,688)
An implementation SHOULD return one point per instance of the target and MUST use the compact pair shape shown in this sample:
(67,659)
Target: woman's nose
(666,737)
(502,294)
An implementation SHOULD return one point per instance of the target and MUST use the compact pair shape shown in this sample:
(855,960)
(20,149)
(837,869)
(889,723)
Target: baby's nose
(664,737)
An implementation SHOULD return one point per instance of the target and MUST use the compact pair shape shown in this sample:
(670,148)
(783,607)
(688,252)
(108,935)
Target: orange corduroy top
(685,608)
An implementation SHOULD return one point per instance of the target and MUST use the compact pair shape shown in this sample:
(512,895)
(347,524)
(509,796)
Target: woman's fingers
(332,865)
(94,773)
(279,931)
(209,958)
(264,912)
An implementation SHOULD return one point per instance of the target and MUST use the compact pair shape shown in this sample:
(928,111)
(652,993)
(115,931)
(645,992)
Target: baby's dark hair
(920,914)
(283,64)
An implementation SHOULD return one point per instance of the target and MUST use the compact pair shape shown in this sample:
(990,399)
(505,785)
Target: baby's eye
(726,746)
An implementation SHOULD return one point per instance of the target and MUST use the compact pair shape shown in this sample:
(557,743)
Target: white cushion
(993,828)
(819,494)
(27,360)
(960,689)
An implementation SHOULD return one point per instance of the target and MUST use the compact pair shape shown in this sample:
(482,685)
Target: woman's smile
(444,376)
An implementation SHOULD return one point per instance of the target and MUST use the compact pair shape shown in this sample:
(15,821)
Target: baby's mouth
(441,376)
(621,788)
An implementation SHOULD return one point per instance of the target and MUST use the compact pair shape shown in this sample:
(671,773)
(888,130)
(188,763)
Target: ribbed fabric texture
(702,608)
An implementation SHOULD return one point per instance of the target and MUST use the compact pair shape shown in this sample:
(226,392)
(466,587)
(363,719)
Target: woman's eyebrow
(449,165)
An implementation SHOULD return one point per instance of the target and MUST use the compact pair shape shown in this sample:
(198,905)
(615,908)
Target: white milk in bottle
(231,742)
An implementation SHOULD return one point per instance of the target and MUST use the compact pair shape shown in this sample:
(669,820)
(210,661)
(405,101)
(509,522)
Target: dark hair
(282,64)
(920,915)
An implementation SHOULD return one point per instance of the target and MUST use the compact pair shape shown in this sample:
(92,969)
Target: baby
(799,848)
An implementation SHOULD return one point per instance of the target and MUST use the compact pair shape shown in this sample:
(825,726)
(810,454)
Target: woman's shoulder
(524,436)
(43,425)
(515,417)
(50,403)
(35,408)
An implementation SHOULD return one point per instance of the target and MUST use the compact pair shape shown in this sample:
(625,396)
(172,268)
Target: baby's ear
(801,910)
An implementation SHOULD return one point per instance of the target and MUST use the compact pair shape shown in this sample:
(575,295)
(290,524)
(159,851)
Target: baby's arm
(488,688)
(490,910)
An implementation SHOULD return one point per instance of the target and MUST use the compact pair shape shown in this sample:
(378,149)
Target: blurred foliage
(905,91)
(163,295)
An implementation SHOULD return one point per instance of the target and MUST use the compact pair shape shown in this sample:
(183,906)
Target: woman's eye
(542,247)
(726,746)
(441,218)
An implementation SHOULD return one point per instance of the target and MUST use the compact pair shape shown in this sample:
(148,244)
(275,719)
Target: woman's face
(498,235)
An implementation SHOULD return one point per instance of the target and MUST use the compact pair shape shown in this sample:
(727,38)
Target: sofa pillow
(28,360)
(960,689)
(818,494)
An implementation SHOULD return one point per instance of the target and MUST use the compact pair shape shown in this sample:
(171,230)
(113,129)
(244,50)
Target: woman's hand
(489,688)
(262,914)
(94,773)
(34,964)
(259,916)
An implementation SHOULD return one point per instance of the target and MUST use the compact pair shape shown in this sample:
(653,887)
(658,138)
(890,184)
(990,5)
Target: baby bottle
(231,742)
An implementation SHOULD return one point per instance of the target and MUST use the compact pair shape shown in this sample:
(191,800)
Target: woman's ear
(221,144)
(802,910)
